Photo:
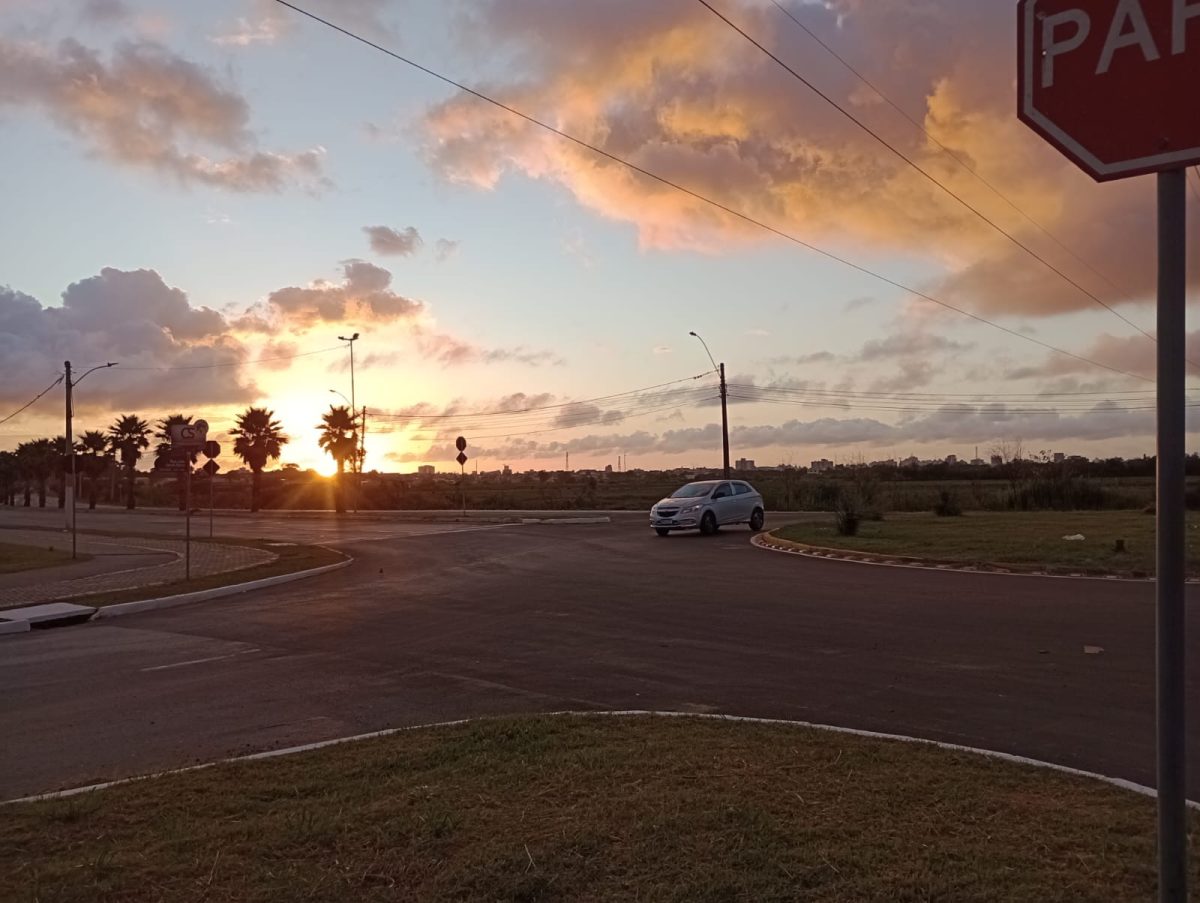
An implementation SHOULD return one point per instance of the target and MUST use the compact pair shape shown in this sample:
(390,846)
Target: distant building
(506,472)
(426,470)
(951,460)
(997,461)
(608,468)
(911,461)
(744,464)
(1059,457)
(822,466)
(977,462)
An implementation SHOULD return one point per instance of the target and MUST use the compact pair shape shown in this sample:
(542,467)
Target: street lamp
(70,441)
(350,340)
(720,368)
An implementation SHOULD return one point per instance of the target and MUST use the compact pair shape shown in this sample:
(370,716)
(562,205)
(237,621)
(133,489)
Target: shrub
(947,505)
(848,512)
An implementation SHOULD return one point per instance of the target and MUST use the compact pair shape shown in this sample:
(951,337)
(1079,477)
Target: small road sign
(211,467)
(461,459)
(212,449)
(189,435)
(172,465)
(1110,83)
(461,443)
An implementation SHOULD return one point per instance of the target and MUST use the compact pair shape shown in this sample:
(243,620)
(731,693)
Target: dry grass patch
(16,557)
(593,808)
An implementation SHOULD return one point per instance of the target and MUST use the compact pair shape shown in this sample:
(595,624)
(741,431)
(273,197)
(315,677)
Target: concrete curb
(1119,783)
(772,543)
(218,592)
(13,627)
(566,520)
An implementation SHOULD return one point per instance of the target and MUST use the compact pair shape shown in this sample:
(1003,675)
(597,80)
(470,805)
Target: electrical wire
(261,360)
(899,153)
(961,410)
(35,400)
(954,395)
(946,150)
(745,217)
(934,402)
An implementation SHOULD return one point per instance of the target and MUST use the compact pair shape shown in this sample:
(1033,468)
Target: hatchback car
(707,506)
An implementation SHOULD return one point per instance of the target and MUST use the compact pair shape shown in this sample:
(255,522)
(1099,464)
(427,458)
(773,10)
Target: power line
(946,150)
(703,198)
(956,395)
(959,410)
(899,153)
(261,360)
(35,400)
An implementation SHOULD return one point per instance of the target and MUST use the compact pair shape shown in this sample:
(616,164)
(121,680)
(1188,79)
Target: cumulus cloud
(165,348)
(672,89)
(363,295)
(149,108)
(450,350)
(388,241)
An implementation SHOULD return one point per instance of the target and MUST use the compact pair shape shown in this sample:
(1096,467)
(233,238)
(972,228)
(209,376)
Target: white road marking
(198,661)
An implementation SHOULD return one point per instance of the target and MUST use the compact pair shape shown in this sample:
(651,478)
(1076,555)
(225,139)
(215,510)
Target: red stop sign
(1113,83)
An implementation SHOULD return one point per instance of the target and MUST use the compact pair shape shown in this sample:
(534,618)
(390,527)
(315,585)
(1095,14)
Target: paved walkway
(119,563)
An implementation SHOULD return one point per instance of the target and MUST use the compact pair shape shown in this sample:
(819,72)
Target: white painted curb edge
(1120,783)
(130,608)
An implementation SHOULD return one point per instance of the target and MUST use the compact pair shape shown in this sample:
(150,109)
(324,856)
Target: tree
(10,474)
(162,451)
(340,439)
(129,436)
(37,461)
(258,438)
(94,459)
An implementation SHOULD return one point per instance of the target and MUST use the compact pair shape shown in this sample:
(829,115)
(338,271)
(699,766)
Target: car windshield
(693,491)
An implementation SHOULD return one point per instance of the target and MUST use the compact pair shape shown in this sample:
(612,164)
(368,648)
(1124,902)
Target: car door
(724,504)
(743,495)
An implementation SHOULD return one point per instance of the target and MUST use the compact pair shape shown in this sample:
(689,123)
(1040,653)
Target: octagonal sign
(1113,83)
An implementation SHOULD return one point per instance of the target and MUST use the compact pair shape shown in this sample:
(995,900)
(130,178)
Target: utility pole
(720,368)
(69,507)
(355,468)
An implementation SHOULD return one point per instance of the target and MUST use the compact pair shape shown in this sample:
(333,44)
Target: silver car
(708,505)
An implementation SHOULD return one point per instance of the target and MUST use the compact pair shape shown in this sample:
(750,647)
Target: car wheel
(757,519)
(662,531)
(708,523)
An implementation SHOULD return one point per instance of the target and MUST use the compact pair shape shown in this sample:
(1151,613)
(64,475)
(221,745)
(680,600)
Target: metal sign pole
(212,479)
(1172,737)
(187,518)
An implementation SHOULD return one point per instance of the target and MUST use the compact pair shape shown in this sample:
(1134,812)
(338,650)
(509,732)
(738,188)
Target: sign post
(461,444)
(212,451)
(1110,84)
(186,440)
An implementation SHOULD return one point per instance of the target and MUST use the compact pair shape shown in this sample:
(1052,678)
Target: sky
(209,195)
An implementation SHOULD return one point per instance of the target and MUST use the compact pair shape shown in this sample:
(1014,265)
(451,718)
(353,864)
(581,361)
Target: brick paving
(208,558)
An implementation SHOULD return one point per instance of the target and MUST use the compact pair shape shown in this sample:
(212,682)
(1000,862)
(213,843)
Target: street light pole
(69,501)
(720,368)
(355,468)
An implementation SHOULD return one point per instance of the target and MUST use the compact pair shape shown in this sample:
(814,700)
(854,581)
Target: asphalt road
(450,621)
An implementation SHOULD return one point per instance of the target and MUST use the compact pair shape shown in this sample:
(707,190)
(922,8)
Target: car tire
(757,519)
(708,524)
(662,531)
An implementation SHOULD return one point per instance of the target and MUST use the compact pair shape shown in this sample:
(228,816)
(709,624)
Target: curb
(13,627)
(566,520)
(772,543)
(234,589)
(1119,783)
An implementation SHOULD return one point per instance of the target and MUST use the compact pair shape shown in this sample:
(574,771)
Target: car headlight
(691,509)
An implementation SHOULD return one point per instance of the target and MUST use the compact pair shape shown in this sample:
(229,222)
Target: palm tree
(94,458)
(340,439)
(163,449)
(10,472)
(130,436)
(258,438)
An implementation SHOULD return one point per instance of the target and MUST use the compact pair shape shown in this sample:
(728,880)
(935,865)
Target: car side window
(741,489)
(722,492)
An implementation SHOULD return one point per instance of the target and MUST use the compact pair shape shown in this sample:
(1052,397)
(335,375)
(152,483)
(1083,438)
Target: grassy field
(1020,539)
(593,809)
(14,557)
(291,559)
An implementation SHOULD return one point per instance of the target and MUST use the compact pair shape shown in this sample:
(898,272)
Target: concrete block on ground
(49,614)
(13,627)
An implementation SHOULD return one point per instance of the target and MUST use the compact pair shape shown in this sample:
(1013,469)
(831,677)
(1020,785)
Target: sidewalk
(118,564)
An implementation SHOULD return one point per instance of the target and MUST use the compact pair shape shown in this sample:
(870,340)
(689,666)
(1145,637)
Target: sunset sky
(230,183)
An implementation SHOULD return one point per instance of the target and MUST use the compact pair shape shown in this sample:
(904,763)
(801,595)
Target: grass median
(1032,540)
(593,808)
(15,557)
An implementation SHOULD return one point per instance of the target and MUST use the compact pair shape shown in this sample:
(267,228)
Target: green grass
(1032,540)
(585,809)
(291,559)
(15,557)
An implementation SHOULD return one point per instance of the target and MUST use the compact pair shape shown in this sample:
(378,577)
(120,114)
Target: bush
(848,512)
(948,505)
